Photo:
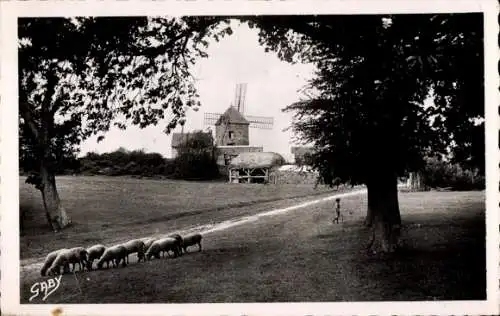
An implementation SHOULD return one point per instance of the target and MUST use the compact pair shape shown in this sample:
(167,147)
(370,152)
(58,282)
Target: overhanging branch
(161,49)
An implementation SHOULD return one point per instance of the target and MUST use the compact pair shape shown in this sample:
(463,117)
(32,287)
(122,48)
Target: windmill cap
(232,116)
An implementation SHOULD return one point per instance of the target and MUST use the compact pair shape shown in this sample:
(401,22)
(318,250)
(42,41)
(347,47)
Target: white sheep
(180,242)
(49,260)
(114,254)
(161,246)
(148,242)
(191,240)
(77,255)
(81,257)
(135,245)
(95,252)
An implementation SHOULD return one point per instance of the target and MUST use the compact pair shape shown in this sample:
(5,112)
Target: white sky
(271,86)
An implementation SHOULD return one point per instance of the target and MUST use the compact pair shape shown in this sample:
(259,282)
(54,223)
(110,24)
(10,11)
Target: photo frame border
(9,166)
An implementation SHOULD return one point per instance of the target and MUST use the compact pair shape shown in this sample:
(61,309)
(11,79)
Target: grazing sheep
(95,252)
(114,254)
(49,260)
(148,243)
(192,240)
(179,241)
(81,257)
(161,246)
(135,245)
(77,255)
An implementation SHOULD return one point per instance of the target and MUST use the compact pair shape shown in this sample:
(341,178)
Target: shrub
(195,165)
(196,158)
(123,162)
(441,174)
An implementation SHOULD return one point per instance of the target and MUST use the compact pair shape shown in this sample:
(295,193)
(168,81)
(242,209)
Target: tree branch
(52,81)
(25,112)
(158,50)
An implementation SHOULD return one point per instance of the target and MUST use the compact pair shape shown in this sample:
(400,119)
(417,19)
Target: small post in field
(337,212)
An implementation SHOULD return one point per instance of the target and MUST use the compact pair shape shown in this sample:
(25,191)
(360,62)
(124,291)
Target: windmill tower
(231,127)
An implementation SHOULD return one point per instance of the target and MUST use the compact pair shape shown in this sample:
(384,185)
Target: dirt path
(28,265)
(297,255)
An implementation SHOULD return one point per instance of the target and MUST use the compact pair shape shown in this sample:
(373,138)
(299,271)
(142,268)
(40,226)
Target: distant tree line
(438,173)
(196,159)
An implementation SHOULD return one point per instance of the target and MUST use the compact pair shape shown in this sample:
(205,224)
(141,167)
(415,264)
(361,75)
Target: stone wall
(293,177)
(238,132)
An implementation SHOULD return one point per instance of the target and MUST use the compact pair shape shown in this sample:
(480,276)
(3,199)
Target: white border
(9,185)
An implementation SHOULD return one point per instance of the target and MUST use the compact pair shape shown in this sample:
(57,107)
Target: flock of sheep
(145,249)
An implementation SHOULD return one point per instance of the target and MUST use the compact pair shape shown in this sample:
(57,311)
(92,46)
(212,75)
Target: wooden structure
(232,137)
(249,175)
(253,167)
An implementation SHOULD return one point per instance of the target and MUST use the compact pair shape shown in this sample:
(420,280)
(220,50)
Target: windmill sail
(241,91)
(261,122)
(237,94)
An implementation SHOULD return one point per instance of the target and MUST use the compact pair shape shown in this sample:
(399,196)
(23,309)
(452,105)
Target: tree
(80,76)
(365,114)
(196,157)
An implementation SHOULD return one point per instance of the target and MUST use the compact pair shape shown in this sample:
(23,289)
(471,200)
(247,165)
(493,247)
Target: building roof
(179,138)
(232,116)
(257,160)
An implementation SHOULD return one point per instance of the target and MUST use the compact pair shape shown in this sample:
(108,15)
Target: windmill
(260,122)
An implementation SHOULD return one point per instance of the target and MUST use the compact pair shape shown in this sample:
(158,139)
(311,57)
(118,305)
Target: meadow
(110,209)
(299,255)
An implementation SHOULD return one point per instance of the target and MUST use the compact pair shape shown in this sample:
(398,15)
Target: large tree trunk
(369,213)
(54,210)
(384,212)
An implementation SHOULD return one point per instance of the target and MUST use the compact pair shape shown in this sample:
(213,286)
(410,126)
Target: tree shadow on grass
(442,259)
(445,272)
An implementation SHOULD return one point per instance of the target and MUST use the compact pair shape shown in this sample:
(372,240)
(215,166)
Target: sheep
(115,254)
(49,260)
(148,242)
(81,257)
(179,241)
(95,252)
(161,246)
(191,240)
(135,245)
(77,255)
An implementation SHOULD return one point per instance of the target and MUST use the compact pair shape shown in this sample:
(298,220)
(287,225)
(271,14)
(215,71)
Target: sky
(271,86)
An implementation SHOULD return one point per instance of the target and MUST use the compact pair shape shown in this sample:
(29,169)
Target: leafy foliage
(123,162)
(441,174)
(365,111)
(196,158)
(80,76)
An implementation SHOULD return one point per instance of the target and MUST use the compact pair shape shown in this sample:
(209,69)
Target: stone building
(232,136)
(232,129)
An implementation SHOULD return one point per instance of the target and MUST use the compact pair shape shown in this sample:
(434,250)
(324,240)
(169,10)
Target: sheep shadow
(223,252)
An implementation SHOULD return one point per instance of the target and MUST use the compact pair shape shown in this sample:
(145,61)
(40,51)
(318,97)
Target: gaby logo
(45,288)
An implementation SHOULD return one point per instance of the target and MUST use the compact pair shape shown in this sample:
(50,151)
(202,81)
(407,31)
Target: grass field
(294,256)
(110,209)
